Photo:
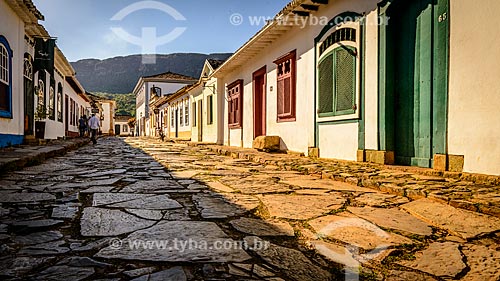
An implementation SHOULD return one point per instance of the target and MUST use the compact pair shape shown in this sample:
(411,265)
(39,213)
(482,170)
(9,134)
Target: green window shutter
(345,81)
(325,85)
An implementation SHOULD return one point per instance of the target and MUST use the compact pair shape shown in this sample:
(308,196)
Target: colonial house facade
(40,95)
(159,115)
(160,84)
(206,107)
(18,25)
(391,82)
(179,110)
(122,128)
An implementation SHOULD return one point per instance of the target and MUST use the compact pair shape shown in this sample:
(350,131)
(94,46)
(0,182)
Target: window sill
(331,117)
(286,119)
(235,126)
(5,114)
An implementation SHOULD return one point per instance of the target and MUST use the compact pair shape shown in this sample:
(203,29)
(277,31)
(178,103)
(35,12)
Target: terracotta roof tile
(171,75)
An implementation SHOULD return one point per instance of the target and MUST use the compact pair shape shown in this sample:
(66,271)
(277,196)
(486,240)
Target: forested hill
(120,74)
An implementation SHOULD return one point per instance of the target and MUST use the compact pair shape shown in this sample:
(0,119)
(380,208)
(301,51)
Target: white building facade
(162,84)
(359,80)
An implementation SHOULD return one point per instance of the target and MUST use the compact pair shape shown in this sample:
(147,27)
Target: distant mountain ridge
(120,74)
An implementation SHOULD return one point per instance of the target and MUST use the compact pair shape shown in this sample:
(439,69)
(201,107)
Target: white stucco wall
(54,128)
(299,135)
(12,28)
(210,131)
(179,103)
(79,101)
(123,124)
(474,92)
(371,82)
(338,141)
(108,123)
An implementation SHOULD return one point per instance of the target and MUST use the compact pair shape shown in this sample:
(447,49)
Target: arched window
(52,99)
(337,72)
(41,99)
(59,102)
(28,69)
(5,79)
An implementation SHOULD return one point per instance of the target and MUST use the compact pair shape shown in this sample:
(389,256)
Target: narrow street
(140,209)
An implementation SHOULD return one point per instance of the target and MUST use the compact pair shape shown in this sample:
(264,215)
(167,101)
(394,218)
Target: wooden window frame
(186,113)
(335,112)
(172,117)
(235,124)
(282,116)
(6,81)
(181,115)
(195,113)
(60,102)
(210,109)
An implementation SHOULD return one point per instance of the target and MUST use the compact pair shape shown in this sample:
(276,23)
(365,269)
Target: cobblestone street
(140,209)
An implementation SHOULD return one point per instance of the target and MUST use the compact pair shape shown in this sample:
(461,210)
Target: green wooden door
(412,46)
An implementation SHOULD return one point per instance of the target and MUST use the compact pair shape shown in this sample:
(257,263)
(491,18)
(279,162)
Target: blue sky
(84,27)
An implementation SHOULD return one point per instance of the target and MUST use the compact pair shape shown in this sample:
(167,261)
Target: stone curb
(364,181)
(29,158)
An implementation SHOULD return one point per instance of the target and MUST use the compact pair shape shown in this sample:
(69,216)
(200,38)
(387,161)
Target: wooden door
(117,130)
(259,105)
(200,120)
(412,44)
(66,114)
(29,106)
(176,123)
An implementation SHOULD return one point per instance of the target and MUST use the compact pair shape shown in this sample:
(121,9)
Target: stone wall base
(448,162)
(376,156)
(313,152)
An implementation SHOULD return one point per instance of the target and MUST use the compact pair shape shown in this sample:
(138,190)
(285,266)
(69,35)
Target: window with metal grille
(41,93)
(59,102)
(210,114)
(5,87)
(343,34)
(52,99)
(235,104)
(28,69)
(286,77)
(337,82)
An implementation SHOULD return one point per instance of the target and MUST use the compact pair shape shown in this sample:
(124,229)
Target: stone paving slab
(214,206)
(105,222)
(356,232)
(203,237)
(298,207)
(298,267)
(393,219)
(439,259)
(23,156)
(484,262)
(139,169)
(463,223)
(263,227)
(374,176)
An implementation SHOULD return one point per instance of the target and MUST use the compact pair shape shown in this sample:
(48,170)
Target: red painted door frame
(259,102)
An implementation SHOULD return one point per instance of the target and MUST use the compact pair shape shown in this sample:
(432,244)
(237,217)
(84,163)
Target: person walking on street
(82,125)
(94,126)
